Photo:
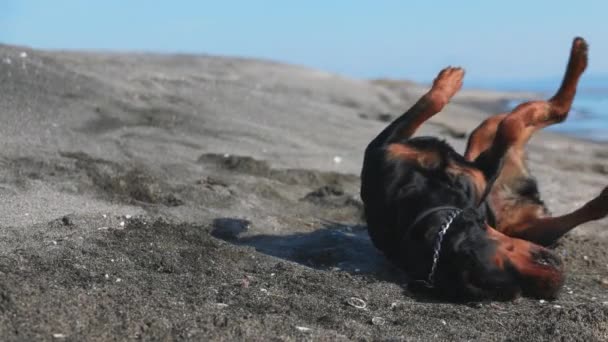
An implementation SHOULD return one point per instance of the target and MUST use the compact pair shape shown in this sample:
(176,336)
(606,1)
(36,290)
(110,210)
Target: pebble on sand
(303,329)
(337,159)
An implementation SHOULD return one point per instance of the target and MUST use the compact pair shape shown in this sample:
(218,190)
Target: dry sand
(175,197)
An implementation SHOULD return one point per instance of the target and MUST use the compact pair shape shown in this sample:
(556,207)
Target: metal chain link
(430,280)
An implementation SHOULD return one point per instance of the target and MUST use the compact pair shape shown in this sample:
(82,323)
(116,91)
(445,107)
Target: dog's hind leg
(445,86)
(546,230)
(503,162)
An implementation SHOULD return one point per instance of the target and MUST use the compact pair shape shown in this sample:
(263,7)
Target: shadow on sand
(334,246)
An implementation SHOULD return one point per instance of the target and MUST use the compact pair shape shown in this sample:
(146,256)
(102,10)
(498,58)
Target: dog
(471,226)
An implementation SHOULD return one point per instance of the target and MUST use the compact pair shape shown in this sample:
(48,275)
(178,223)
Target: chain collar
(454,212)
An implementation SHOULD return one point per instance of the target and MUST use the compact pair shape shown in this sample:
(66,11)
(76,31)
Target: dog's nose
(545,257)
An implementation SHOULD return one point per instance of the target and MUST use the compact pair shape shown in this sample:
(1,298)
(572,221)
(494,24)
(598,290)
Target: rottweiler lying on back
(471,226)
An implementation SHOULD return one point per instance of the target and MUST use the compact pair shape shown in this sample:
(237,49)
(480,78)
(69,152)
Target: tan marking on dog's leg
(482,137)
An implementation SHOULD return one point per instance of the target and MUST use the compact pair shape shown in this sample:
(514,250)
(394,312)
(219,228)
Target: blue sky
(399,39)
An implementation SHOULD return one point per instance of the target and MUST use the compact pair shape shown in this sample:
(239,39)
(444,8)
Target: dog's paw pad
(580,45)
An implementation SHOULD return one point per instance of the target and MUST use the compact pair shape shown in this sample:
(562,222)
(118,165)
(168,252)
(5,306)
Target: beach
(182,197)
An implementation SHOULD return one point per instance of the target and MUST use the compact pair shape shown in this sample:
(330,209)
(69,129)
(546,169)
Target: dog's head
(476,261)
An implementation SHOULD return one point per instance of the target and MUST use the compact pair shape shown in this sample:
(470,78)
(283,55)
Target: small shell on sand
(356,302)
(378,321)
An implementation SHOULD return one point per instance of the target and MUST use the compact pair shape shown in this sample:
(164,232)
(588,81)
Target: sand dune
(199,197)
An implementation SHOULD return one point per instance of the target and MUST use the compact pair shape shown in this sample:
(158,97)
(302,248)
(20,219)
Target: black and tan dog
(471,226)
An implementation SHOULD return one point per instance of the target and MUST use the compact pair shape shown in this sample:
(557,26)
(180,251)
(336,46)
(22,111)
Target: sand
(177,197)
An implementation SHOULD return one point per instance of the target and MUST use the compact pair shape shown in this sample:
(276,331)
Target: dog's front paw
(604,193)
(598,207)
(449,81)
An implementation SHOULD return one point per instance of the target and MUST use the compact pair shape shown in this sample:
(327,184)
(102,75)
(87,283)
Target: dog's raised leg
(483,136)
(445,86)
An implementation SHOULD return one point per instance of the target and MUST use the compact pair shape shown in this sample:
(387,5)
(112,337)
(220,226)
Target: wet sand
(176,197)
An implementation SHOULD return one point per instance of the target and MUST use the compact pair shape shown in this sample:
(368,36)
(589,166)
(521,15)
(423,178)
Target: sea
(588,118)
